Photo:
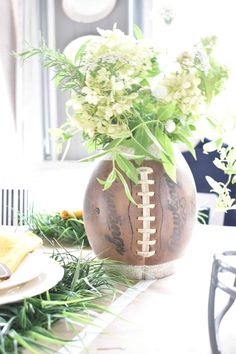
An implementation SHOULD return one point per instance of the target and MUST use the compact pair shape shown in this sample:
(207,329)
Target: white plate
(52,273)
(29,269)
(72,48)
(88,11)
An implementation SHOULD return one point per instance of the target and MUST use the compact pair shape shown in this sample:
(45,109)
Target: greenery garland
(28,324)
(62,226)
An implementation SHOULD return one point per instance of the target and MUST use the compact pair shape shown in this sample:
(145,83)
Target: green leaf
(141,135)
(126,187)
(132,156)
(110,179)
(219,143)
(154,69)
(166,111)
(188,144)
(101,181)
(233,180)
(80,52)
(138,32)
(93,157)
(143,139)
(112,144)
(145,82)
(127,167)
(153,138)
(21,340)
(79,306)
(166,144)
(169,168)
(58,78)
(136,144)
(45,337)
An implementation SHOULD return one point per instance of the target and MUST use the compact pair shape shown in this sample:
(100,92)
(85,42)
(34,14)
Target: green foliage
(67,75)
(168,166)
(110,179)
(54,227)
(213,80)
(138,32)
(212,83)
(127,167)
(126,187)
(29,324)
(166,111)
(129,170)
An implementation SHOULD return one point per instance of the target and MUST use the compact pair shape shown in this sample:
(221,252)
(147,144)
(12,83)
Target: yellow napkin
(14,248)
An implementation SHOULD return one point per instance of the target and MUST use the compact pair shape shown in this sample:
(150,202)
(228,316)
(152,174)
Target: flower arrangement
(125,97)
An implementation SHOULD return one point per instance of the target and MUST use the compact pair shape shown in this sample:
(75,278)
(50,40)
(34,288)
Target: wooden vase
(149,238)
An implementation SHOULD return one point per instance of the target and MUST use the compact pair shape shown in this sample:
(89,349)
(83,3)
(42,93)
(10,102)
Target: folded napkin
(14,248)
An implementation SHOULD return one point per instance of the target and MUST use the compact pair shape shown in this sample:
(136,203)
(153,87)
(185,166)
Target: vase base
(146,272)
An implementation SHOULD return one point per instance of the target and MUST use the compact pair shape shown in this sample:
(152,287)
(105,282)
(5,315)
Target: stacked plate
(36,274)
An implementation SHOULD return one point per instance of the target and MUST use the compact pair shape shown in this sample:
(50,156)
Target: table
(169,316)
(166,316)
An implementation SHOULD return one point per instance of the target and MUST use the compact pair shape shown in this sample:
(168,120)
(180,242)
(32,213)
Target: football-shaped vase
(148,238)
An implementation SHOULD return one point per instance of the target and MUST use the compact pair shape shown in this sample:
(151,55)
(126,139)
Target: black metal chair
(220,265)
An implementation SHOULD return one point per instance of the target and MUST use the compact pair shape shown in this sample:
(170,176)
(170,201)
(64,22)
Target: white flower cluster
(124,84)
(112,47)
(113,66)
(183,88)
(180,87)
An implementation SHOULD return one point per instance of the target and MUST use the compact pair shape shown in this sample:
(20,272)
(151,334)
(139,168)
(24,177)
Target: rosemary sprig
(28,324)
(67,75)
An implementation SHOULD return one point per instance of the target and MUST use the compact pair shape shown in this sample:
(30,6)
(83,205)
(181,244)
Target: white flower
(116,85)
(91,96)
(92,99)
(108,113)
(170,126)
(183,88)
(114,34)
(118,108)
(102,75)
(202,57)
(158,90)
